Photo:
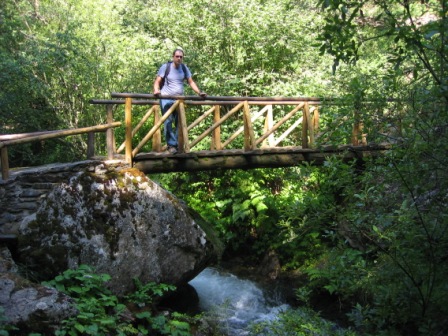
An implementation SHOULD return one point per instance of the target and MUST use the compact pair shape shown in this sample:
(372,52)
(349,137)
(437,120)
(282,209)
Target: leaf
(61,288)
(80,327)
(261,207)
(331,288)
(105,277)
(107,321)
(92,329)
(77,289)
(59,278)
(143,315)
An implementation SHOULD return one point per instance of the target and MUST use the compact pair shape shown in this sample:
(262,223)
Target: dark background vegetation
(376,240)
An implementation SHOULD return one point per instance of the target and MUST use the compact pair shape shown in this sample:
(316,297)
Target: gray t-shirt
(174,85)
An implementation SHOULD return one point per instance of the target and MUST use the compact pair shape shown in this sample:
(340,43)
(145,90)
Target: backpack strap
(167,70)
(184,68)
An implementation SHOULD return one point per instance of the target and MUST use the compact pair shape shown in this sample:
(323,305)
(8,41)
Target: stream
(236,303)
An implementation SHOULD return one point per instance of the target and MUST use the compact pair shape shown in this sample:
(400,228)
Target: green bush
(102,313)
(300,322)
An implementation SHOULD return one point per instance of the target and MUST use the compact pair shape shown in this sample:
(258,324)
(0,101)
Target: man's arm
(156,87)
(195,88)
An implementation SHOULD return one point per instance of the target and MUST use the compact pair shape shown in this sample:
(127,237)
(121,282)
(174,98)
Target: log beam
(240,159)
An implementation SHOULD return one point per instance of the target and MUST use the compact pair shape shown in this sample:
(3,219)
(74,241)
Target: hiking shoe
(172,150)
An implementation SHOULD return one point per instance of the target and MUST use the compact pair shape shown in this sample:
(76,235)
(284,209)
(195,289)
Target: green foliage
(308,225)
(300,322)
(409,266)
(144,294)
(80,282)
(99,309)
(102,313)
(175,326)
(239,47)
(56,56)
(244,205)
(374,236)
(342,272)
(394,269)
(415,43)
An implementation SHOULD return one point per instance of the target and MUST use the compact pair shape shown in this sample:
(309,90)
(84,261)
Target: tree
(415,33)
(402,219)
(56,56)
(240,47)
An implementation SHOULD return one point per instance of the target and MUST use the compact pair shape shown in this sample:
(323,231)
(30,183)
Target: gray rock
(7,264)
(121,223)
(28,306)
(22,193)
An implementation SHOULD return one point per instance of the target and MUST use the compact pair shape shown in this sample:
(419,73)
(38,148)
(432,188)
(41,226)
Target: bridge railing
(7,140)
(215,123)
(263,128)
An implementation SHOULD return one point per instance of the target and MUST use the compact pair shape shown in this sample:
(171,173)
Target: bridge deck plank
(154,162)
(260,151)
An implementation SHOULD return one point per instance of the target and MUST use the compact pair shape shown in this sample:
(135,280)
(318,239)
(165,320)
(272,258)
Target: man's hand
(156,92)
(202,94)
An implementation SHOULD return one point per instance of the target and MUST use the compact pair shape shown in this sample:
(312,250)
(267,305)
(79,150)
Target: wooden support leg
(4,162)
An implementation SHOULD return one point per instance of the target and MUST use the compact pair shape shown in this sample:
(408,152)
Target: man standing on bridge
(170,82)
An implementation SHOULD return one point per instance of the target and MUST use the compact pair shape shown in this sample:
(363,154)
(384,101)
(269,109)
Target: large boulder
(121,223)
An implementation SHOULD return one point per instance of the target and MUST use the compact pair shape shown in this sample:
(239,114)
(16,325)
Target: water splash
(235,302)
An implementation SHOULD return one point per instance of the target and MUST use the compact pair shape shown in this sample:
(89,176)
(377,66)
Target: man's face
(178,57)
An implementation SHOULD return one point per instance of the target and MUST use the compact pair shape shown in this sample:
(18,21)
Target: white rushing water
(235,302)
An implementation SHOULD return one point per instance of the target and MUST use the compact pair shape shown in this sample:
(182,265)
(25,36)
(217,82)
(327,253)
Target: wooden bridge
(214,133)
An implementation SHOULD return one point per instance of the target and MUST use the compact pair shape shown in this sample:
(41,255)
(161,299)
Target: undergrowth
(103,313)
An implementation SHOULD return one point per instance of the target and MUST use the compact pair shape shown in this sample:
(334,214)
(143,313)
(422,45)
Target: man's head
(178,56)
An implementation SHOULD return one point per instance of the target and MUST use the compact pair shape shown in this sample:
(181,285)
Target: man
(173,86)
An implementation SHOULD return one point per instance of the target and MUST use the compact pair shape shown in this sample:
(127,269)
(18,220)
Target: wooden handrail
(15,139)
(202,101)
(37,136)
(256,131)
(217,98)
(309,121)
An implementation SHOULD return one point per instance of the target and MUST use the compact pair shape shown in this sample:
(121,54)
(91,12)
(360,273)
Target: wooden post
(110,135)
(305,126)
(90,145)
(249,136)
(310,124)
(268,123)
(128,130)
(363,135)
(184,146)
(356,129)
(216,138)
(316,120)
(157,137)
(4,162)
(137,128)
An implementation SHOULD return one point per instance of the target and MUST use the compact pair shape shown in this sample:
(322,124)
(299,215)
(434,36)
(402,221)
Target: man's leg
(170,130)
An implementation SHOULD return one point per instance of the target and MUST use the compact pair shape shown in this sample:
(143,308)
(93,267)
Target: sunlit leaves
(241,47)
(351,26)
